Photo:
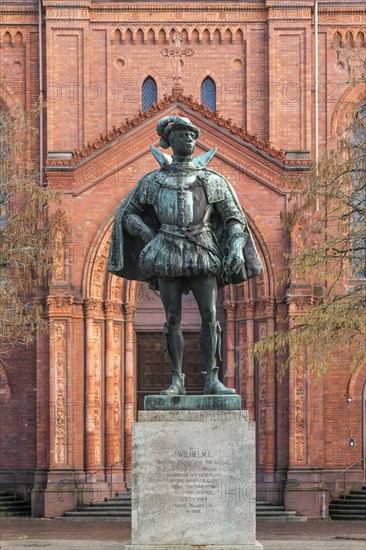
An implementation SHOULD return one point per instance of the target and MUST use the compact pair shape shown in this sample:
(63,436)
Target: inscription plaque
(193,480)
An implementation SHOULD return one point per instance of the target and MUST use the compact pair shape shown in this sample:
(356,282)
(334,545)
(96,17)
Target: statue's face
(183,142)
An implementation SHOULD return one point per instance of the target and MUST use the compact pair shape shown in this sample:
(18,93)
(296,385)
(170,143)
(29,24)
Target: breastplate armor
(181,200)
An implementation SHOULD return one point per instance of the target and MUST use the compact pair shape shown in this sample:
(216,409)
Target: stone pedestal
(193,477)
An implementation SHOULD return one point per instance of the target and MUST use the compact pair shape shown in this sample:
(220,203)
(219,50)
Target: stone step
(350,507)
(347,506)
(120,507)
(97,514)
(91,518)
(273,513)
(25,508)
(117,499)
(104,509)
(281,519)
(344,517)
(12,506)
(269,507)
(267,512)
(15,514)
(348,501)
(359,498)
(347,511)
(108,504)
(13,502)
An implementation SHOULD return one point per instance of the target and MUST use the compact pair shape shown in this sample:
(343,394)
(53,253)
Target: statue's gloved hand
(234,260)
(148,235)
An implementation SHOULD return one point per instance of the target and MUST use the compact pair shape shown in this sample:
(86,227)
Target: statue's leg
(205,293)
(171,296)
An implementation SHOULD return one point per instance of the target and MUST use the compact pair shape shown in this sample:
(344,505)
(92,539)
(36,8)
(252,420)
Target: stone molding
(188,101)
(265,307)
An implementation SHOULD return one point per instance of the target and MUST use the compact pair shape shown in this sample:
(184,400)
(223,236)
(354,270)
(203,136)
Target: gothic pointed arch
(208,93)
(7,38)
(117,36)
(195,37)
(149,93)
(360,39)
(18,39)
(150,37)
(162,37)
(129,37)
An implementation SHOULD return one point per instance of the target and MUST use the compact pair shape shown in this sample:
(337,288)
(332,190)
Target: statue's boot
(173,346)
(211,346)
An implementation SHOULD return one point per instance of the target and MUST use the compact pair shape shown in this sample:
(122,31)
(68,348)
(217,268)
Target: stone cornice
(19,15)
(188,101)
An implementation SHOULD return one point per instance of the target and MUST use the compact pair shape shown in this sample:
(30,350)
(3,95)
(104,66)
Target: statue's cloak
(125,249)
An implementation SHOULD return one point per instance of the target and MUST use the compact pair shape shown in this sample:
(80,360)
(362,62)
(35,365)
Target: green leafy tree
(326,264)
(26,233)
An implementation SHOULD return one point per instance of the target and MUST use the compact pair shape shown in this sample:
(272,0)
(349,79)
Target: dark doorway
(154,370)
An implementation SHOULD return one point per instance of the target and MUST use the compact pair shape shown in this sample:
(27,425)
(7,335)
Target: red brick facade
(67,404)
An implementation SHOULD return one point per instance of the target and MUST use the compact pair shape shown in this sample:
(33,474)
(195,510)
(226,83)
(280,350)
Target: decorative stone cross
(177,52)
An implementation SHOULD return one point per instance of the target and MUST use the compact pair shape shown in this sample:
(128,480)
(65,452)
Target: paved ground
(34,534)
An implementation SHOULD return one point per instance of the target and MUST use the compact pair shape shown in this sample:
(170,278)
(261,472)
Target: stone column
(271,396)
(113,409)
(93,386)
(53,491)
(130,393)
(250,360)
(230,309)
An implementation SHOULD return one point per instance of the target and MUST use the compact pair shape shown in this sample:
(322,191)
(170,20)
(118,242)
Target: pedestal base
(192,402)
(193,481)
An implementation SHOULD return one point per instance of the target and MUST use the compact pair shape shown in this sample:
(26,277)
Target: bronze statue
(182,228)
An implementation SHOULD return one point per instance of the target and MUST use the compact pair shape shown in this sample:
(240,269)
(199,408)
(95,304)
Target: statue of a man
(182,228)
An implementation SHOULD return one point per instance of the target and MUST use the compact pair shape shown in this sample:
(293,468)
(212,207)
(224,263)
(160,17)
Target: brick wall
(261,60)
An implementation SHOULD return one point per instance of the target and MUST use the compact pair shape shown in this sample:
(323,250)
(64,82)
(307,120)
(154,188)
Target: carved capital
(265,307)
(129,309)
(241,308)
(59,304)
(299,304)
(230,309)
(93,307)
(113,308)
